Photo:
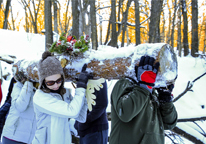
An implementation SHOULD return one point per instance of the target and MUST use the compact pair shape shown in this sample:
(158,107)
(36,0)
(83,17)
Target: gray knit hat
(48,65)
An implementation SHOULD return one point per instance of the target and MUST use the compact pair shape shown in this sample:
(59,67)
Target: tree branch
(191,119)
(188,88)
(186,135)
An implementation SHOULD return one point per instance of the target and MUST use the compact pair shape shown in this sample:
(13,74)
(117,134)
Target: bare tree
(6,13)
(168,39)
(55,8)
(162,34)
(179,39)
(1,1)
(185,29)
(124,22)
(34,15)
(173,23)
(48,24)
(100,26)
(137,22)
(108,31)
(204,39)
(113,22)
(195,43)
(154,32)
(66,24)
(120,10)
(75,20)
(12,20)
(93,25)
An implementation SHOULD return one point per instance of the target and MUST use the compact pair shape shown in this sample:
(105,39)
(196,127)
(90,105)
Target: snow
(191,105)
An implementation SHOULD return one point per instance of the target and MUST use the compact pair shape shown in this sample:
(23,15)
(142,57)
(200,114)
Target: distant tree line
(129,21)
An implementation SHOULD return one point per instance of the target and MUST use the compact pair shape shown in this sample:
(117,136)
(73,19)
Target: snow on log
(112,63)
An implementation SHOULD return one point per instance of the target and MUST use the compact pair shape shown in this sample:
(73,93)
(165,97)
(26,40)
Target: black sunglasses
(50,83)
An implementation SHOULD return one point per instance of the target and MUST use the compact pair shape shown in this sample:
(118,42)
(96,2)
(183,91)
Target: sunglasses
(50,83)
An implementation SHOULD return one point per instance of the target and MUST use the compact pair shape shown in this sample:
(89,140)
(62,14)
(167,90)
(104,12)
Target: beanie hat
(47,66)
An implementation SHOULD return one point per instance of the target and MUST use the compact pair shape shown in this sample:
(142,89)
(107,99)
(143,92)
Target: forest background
(116,23)
(179,23)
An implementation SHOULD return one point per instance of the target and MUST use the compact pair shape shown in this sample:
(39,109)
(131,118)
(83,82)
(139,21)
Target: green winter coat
(136,118)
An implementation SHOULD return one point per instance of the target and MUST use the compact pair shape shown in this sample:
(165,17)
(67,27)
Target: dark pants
(100,137)
(8,141)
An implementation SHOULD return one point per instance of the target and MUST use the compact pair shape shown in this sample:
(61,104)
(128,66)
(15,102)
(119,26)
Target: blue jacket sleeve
(101,104)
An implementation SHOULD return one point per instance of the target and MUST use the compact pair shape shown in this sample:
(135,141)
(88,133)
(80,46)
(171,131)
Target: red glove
(146,72)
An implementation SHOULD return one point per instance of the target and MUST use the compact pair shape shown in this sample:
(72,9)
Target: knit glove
(19,76)
(83,77)
(72,128)
(165,94)
(146,72)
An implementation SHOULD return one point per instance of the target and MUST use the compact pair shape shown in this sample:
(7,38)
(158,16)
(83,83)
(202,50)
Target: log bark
(122,64)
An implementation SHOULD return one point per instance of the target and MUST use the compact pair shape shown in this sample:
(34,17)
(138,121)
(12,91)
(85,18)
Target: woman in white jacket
(53,104)
(20,123)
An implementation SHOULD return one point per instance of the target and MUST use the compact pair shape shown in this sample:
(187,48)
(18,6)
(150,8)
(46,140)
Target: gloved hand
(72,128)
(146,72)
(19,76)
(165,93)
(83,77)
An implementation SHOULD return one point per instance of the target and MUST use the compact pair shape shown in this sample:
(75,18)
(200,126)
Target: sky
(191,105)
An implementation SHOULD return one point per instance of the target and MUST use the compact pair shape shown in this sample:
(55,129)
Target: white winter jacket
(20,124)
(53,114)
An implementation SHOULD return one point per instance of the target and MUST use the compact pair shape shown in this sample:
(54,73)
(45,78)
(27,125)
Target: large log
(112,63)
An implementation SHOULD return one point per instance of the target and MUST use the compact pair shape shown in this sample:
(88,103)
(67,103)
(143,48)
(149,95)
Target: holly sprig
(69,44)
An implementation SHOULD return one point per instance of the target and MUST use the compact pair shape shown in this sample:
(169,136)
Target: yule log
(112,63)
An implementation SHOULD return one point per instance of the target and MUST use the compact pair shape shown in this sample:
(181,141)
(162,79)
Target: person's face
(53,82)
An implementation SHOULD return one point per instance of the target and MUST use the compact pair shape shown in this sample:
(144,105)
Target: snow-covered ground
(191,105)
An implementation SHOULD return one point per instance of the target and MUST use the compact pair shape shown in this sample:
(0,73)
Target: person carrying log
(20,122)
(139,112)
(54,105)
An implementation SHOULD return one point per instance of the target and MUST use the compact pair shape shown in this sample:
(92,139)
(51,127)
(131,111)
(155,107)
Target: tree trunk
(204,40)
(162,35)
(120,9)
(179,39)
(156,8)
(75,20)
(93,25)
(195,43)
(100,26)
(173,24)
(66,23)
(12,19)
(81,17)
(26,21)
(1,1)
(168,39)
(185,29)
(113,42)
(86,27)
(137,23)
(48,24)
(108,32)
(124,22)
(55,8)
(6,13)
